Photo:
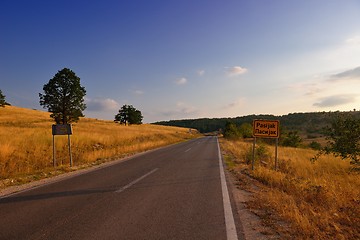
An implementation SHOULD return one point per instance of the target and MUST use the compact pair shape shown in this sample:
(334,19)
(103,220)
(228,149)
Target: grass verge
(318,200)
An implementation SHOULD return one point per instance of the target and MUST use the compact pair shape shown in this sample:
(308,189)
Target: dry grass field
(318,200)
(26,143)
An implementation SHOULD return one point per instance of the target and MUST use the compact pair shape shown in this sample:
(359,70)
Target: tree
(231,131)
(246,130)
(2,99)
(344,138)
(315,145)
(129,115)
(291,139)
(64,97)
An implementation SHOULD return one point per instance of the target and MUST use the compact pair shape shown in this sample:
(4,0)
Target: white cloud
(181,110)
(342,56)
(353,40)
(185,108)
(310,87)
(98,104)
(201,72)
(138,92)
(181,81)
(336,100)
(235,71)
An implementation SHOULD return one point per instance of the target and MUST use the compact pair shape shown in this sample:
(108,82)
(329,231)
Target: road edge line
(231,232)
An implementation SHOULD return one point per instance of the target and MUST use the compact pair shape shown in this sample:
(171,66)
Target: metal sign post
(69,144)
(54,157)
(266,129)
(253,159)
(61,129)
(276,154)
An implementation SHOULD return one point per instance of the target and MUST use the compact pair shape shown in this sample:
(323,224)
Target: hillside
(26,141)
(308,124)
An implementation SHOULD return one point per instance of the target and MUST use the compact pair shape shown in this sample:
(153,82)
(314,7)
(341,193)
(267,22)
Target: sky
(185,59)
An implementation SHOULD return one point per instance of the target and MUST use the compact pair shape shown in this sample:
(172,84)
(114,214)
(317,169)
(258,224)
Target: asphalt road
(171,193)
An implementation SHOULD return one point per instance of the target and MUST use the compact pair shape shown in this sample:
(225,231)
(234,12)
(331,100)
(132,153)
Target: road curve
(171,193)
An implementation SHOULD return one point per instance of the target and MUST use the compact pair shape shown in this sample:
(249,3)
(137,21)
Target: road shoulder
(243,189)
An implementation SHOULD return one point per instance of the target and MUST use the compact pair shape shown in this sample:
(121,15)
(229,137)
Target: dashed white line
(135,181)
(187,150)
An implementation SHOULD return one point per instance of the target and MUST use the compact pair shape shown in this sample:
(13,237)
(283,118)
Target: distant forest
(309,125)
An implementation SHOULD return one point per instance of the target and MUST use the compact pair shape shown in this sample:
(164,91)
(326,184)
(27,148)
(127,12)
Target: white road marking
(135,181)
(229,218)
(188,150)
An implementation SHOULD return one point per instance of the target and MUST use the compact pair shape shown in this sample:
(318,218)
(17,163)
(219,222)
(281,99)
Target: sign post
(61,129)
(266,129)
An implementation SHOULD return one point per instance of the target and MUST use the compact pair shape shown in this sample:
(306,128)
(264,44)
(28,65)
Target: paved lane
(171,193)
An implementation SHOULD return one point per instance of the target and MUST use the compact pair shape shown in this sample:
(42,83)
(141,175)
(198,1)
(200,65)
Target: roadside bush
(315,145)
(231,131)
(246,130)
(343,139)
(291,139)
(262,153)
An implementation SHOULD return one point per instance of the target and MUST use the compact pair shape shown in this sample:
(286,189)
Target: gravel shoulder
(243,190)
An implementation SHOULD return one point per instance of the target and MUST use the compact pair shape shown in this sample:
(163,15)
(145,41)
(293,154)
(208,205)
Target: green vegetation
(2,99)
(290,139)
(232,131)
(315,145)
(64,97)
(344,138)
(129,115)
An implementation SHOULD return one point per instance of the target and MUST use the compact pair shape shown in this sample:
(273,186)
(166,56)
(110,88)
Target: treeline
(310,124)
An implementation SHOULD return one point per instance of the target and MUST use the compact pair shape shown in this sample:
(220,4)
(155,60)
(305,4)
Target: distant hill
(307,124)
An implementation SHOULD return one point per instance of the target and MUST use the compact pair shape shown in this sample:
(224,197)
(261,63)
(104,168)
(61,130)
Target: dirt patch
(254,222)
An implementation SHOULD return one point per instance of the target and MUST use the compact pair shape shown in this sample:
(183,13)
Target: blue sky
(186,59)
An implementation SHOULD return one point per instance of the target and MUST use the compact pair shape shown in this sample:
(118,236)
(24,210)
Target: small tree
(291,139)
(246,130)
(64,97)
(129,115)
(344,138)
(2,99)
(231,131)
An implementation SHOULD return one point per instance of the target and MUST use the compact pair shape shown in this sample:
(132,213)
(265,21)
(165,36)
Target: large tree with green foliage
(64,97)
(129,115)
(2,99)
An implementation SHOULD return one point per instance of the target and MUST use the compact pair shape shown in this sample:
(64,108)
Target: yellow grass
(26,141)
(319,200)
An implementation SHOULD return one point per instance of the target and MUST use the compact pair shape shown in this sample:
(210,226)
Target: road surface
(175,192)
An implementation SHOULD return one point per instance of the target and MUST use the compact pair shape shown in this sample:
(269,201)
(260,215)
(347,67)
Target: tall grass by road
(26,141)
(318,200)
